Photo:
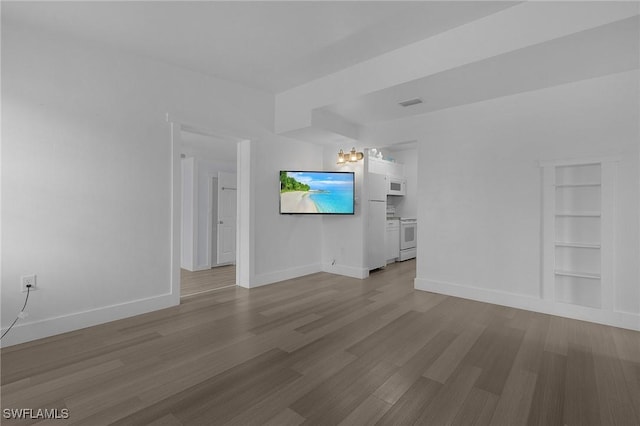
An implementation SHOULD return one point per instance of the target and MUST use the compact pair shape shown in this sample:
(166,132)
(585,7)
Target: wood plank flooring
(331,350)
(192,283)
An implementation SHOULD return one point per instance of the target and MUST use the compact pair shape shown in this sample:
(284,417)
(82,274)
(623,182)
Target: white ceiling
(273,46)
(592,53)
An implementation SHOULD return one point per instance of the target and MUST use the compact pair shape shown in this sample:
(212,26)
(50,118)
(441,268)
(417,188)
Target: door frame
(210,225)
(245,214)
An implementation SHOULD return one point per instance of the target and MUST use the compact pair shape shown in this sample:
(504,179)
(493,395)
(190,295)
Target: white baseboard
(347,271)
(27,332)
(620,319)
(284,274)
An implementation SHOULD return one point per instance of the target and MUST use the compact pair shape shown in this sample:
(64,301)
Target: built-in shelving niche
(578,232)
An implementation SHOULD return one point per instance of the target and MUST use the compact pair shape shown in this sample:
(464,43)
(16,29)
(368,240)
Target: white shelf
(587,275)
(578,232)
(577,185)
(578,214)
(577,245)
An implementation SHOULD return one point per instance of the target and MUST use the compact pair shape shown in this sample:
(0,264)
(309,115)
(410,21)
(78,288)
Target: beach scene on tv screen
(316,192)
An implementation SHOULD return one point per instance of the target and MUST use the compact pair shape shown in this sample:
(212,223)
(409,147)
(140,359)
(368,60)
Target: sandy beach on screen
(297,202)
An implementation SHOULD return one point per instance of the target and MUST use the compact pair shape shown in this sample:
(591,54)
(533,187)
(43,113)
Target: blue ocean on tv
(337,199)
(334,191)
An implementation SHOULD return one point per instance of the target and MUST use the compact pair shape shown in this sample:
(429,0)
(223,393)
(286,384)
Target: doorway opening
(401,200)
(208,205)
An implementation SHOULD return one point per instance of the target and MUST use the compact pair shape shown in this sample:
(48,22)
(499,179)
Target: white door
(226,217)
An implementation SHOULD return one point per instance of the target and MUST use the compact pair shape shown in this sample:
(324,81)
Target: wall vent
(410,102)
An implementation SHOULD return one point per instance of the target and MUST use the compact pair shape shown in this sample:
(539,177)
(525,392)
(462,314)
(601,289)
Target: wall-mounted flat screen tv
(304,192)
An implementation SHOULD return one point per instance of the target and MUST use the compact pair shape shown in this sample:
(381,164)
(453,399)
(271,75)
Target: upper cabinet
(396,182)
(385,167)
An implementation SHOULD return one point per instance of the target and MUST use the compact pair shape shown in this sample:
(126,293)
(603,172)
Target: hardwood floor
(192,283)
(331,350)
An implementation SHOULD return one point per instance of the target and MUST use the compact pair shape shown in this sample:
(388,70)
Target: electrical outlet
(26,280)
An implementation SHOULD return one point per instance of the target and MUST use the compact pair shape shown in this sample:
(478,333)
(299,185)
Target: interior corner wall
(286,246)
(344,237)
(86,178)
(479,190)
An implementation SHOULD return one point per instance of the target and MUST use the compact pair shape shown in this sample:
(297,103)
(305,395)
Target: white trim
(195,210)
(347,271)
(606,277)
(608,177)
(176,211)
(47,327)
(244,264)
(579,161)
(285,274)
(530,303)
(245,231)
(202,129)
(190,178)
(210,178)
(547,286)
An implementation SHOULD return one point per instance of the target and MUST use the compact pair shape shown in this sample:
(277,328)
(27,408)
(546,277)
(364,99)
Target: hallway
(192,283)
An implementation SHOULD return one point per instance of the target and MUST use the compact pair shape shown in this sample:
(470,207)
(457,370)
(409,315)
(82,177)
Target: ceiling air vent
(410,102)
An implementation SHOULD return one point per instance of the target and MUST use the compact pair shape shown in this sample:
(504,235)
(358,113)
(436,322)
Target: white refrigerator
(376,225)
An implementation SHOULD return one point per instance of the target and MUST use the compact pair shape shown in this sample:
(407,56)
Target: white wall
(286,246)
(343,250)
(479,189)
(86,178)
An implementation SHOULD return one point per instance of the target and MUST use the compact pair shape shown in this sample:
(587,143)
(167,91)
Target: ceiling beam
(513,28)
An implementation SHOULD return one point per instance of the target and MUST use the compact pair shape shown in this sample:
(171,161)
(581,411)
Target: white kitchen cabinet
(392,243)
(385,167)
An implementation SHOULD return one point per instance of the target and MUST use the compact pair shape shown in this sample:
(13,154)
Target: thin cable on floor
(20,314)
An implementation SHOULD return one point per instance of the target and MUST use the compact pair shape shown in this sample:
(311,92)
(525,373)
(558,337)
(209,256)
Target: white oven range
(408,238)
